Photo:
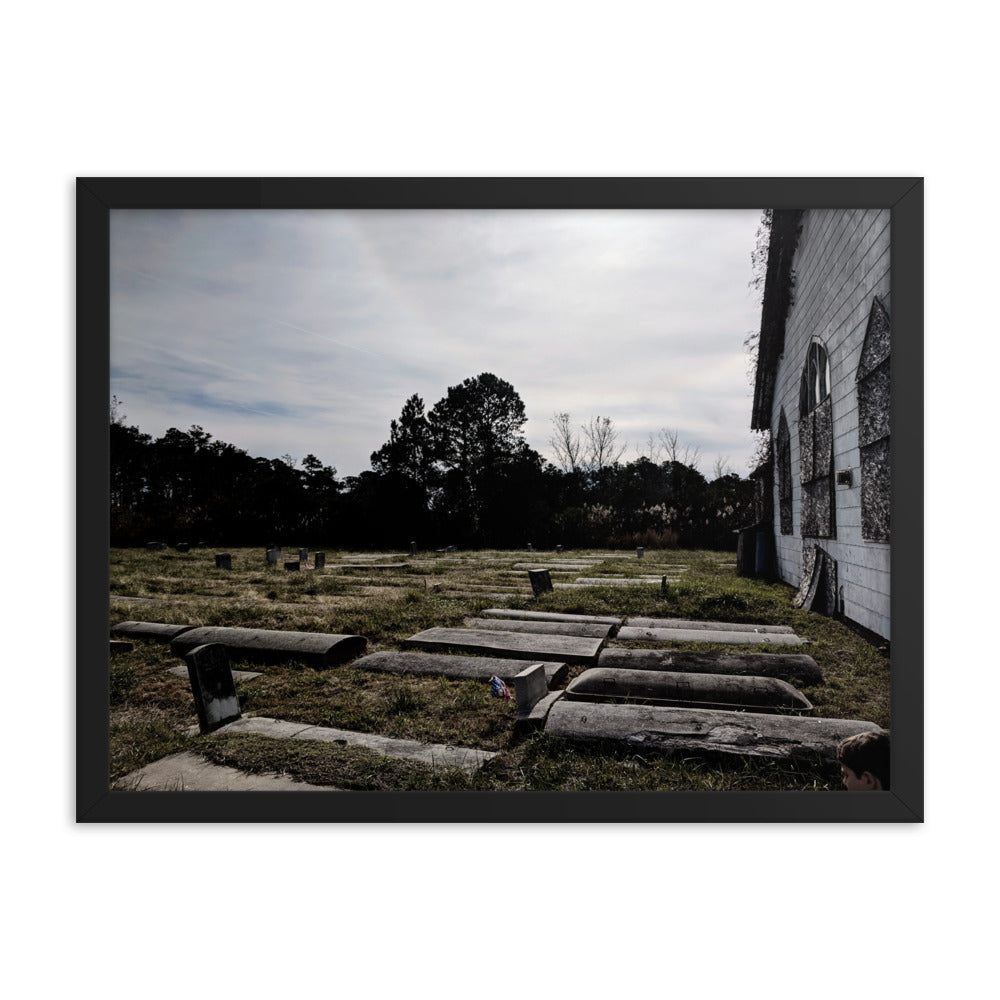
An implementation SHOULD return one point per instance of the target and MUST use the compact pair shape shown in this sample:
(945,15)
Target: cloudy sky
(297,332)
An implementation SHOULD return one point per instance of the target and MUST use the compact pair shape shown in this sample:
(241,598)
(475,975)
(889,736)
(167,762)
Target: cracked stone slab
(433,754)
(238,675)
(515,645)
(709,635)
(787,666)
(190,772)
(587,629)
(479,668)
(549,616)
(717,626)
(692,731)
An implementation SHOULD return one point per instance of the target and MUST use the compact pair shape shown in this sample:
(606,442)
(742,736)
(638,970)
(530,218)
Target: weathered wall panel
(841,264)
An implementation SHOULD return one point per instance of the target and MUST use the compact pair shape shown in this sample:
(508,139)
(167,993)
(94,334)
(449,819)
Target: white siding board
(841,263)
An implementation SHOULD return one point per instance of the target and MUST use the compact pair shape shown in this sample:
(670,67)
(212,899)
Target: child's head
(864,762)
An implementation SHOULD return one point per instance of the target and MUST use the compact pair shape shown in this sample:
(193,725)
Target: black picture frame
(97,197)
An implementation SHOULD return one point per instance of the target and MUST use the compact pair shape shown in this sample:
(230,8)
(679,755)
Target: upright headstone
(452,548)
(152,546)
(292,565)
(224,561)
(319,560)
(530,686)
(640,552)
(183,547)
(558,548)
(212,685)
(413,548)
(273,555)
(303,555)
(541,582)
(663,585)
(530,549)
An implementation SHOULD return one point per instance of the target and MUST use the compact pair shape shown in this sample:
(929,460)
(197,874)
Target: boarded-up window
(816,445)
(873,425)
(784,475)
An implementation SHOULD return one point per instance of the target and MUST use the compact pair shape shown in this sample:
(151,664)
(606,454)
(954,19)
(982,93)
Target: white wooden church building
(822,390)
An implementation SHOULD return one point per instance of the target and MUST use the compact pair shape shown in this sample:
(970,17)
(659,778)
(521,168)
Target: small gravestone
(202,545)
(452,548)
(413,548)
(639,552)
(212,685)
(558,548)
(663,585)
(530,686)
(224,561)
(183,547)
(303,555)
(292,565)
(541,582)
(273,555)
(152,546)
(320,560)
(530,549)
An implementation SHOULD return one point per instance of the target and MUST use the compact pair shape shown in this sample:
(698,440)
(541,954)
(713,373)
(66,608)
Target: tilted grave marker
(303,556)
(272,556)
(541,582)
(183,547)
(212,685)
(413,548)
(640,552)
(224,561)
(319,560)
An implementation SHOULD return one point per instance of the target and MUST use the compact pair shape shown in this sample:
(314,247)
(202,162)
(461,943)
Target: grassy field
(151,708)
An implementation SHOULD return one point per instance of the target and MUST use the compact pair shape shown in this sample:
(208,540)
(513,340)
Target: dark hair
(867,752)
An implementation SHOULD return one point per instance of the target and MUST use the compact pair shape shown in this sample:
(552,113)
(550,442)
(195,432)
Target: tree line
(460,473)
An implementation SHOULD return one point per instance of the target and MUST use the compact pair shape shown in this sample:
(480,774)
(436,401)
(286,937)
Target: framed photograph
(479,499)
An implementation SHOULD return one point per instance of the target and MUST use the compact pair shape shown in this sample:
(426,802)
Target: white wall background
(449,88)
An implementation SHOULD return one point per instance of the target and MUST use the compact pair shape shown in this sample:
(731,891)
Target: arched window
(816,444)
(873,425)
(784,474)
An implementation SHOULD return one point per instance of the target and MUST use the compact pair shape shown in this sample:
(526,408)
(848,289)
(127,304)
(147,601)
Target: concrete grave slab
(189,772)
(467,759)
(627,580)
(716,626)
(709,635)
(212,686)
(588,629)
(154,631)
(515,645)
(238,675)
(316,649)
(789,667)
(549,616)
(661,687)
(455,667)
(703,731)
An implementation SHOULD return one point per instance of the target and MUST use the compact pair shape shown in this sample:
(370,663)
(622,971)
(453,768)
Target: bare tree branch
(565,443)
(602,443)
